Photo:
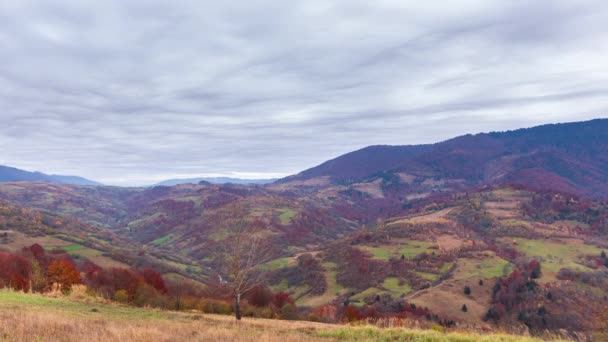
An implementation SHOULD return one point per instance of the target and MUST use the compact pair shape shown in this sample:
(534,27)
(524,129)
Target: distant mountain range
(571,157)
(214,180)
(11,174)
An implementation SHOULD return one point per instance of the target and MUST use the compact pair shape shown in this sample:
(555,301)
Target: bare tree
(244,249)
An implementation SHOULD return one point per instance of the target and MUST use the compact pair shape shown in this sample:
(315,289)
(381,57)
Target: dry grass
(373,189)
(26,317)
(24,325)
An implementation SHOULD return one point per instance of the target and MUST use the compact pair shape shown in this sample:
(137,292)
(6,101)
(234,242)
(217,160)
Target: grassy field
(72,248)
(392,284)
(554,254)
(286,216)
(407,248)
(279,263)
(481,268)
(162,240)
(27,317)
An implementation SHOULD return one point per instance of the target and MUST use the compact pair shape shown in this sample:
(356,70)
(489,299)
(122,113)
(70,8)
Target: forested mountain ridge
(11,174)
(570,157)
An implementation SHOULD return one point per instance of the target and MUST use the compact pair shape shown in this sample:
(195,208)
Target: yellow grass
(27,317)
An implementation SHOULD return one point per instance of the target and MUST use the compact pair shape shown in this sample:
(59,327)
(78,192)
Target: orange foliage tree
(64,273)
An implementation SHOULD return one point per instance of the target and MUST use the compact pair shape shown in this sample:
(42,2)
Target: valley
(498,231)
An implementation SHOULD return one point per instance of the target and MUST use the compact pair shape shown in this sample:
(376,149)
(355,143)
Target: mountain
(11,174)
(571,157)
(386,228)
(214,180)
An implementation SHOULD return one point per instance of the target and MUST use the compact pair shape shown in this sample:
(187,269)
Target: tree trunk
(237,307)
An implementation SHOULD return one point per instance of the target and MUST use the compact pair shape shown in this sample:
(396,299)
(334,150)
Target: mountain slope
(570,157)
(214,180)
(11,174)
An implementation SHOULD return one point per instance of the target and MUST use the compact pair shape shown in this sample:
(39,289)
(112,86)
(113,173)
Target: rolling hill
(11,174)
(518,218)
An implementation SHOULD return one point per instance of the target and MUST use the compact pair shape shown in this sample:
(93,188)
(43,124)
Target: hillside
(571,157)
(214,180)
(511,245)
(27,316)
(11,174)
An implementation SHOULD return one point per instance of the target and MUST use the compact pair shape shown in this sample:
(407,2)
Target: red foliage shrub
(108,281)
(281,298)
(15,272)
(154,279)
(327,313)
(351,314)
(260,296)
(89,267)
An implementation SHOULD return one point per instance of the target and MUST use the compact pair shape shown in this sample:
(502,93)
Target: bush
(467,290)
(464,308)
(351,314)
(327,314)
(289,312)
(121,296)
(15,272)
(146,295)
(259,296)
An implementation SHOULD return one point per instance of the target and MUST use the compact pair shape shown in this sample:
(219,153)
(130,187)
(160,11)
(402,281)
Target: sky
(133,92)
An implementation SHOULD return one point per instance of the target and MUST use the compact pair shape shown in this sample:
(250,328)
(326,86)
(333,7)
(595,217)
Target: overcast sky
(132,92)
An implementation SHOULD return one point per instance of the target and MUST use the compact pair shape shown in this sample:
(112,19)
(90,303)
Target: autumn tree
(244,249)
(64,273)
(15,272)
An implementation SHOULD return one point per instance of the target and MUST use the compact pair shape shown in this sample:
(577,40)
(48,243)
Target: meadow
(31,317)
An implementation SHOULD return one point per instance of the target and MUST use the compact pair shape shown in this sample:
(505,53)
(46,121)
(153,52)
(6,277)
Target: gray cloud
(129,92)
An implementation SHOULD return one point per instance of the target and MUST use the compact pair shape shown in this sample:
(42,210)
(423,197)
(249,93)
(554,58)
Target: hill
(11,174)
(25,316)
(214,180)
(380,241)
(571,157)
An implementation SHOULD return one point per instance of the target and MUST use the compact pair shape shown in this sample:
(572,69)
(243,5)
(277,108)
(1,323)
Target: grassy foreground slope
(29,317)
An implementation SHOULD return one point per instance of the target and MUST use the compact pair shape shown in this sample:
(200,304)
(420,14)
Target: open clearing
(481,267)
(554,254)
(408,248)
(27,317)
(448,298)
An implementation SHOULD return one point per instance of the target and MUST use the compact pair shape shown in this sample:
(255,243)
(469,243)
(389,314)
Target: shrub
(281,298)
(289,312)
(467,290)
(154,279)
(259,296)
(146,295)
(534,269)
(327,313)
(15,272)
(464,308)
(121,296)
(351,314)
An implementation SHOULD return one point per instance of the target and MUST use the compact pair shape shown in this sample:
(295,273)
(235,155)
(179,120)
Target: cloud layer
(132,92)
